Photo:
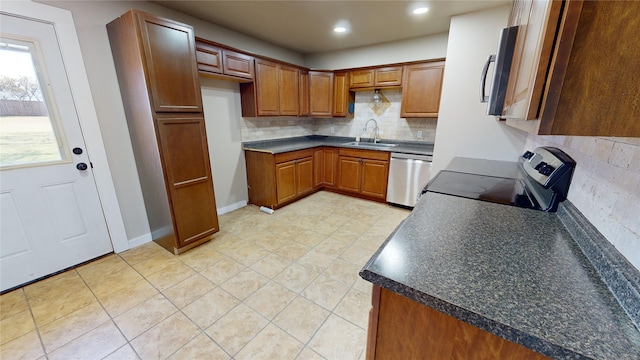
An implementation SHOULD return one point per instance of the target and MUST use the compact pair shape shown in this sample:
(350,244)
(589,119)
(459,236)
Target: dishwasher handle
(411,156)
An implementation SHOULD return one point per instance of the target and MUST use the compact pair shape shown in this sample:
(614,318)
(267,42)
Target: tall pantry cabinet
(155,60)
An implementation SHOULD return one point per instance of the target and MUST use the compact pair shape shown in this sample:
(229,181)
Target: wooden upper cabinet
(170,58)
(390,76)
(267,89)
(341,94)
(422,86)
(223,63)
(321,93)
(537,22)
(304,92)
(288,90)
(209,58)
(275,91)
(237,64)
(590,88)
(361,78)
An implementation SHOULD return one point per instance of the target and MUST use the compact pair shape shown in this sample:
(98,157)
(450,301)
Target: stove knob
(527,155)
(540,165)
(546,170)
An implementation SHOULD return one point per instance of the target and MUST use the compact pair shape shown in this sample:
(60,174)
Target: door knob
(82,166)
(77,151)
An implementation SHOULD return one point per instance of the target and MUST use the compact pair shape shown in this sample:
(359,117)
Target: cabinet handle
(483,79)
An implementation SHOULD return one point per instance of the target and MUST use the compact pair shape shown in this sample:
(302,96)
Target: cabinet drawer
(365,154)
(293,155)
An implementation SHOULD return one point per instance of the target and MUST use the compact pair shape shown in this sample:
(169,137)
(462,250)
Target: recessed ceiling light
(340,29)
(420,10)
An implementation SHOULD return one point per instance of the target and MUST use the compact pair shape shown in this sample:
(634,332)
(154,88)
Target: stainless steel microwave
(502,61)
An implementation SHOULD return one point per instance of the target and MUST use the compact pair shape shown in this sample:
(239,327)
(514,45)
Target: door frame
(62,21)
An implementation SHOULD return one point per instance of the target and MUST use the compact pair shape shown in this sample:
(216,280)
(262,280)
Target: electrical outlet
(333,130)
(419,136)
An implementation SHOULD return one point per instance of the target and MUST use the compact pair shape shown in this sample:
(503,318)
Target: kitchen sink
(370,145)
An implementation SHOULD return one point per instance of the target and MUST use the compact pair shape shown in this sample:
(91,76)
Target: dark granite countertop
(306,142)
(514,272)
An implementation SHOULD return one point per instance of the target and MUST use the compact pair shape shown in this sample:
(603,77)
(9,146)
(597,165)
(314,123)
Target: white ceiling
(306,26)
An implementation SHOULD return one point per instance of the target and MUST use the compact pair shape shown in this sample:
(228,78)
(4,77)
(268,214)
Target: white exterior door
(50,212)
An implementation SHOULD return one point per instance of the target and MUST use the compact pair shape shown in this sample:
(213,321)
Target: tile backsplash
(605,185)
(391,125)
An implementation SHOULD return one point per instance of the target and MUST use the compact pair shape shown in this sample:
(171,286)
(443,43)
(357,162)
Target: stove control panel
(547,165)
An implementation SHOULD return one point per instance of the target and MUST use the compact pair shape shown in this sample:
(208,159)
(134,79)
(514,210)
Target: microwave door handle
(483,78)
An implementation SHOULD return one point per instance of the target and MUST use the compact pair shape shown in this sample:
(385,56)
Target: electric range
(541,181)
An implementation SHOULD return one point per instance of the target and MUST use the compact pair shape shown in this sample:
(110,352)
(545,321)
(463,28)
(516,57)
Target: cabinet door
(183,144)
(266,83)
(237,64)
(349,170)
(375,174)
(170,58)
(388,76)
(304,93)
(340,94)
(537,21)
(289,97)
(304,176)
(330,166)
(320,93)
(209,58)
(422,85)
(361,78)
(318,167)
(286,181)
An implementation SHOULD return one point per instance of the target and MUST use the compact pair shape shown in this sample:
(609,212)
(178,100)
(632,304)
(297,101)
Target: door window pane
(29,134)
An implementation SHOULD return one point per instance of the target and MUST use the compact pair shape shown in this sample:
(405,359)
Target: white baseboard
(230,208)
(143,239)
(140,240)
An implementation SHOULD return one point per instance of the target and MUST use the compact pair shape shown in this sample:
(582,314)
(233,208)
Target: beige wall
(222,115)
(463,127)
(90,19)
(421,48)
(605,185)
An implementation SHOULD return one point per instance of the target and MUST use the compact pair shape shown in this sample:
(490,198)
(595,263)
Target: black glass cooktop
(482,187)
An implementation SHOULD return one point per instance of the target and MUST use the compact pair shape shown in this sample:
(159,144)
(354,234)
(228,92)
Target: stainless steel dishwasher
(408,173)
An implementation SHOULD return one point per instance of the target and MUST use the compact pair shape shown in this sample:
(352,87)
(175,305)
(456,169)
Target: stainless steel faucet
(375,129)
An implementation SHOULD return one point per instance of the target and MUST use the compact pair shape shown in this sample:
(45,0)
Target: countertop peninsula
(277,146)
(517,273)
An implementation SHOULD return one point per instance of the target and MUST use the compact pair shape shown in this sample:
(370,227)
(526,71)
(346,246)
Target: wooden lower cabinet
(275,180)
(400,328)
(363,173)
(325,160)
(294,179)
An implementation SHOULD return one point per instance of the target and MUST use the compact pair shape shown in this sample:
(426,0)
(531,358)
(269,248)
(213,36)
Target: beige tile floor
(281,286)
